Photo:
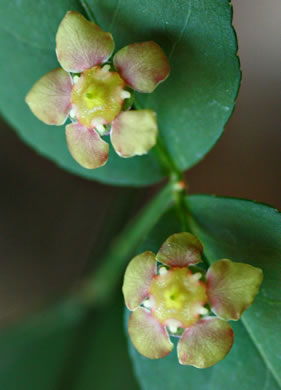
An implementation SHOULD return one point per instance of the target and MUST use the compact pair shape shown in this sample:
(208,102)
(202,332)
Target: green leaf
(193,105)
(242,231)
(248,232)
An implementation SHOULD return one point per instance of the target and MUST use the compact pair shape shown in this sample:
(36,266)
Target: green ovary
(97,96)
(178,295)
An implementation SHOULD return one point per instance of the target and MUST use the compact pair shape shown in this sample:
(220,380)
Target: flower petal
(50,98)
(81,44)
(138,278)
(149,337)
(134,133)
(86,146)
(180,250)
(232,287)
(142,65)
(205,343)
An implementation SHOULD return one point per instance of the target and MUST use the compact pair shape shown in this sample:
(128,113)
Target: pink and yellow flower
(168,295)
(94,92)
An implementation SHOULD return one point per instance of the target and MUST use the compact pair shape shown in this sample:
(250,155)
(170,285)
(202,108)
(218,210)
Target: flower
(95,92)
(172,297)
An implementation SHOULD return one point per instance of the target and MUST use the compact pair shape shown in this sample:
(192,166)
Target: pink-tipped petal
(50,98)
(142,65)
(180,250)
(138,278)
(134,133)
(86,146)
(205,343)
(149,337)
(232,287)
(81,44)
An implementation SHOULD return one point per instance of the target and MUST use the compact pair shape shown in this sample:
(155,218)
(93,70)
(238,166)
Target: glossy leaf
(192,105)
(242,231)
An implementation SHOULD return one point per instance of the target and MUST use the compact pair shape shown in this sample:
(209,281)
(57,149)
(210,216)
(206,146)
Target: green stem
(99,286)
(88,11)
(175,174)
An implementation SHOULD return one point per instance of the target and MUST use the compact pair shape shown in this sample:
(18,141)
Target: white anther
(75,79)
(197,276)
(100,128)
(147,303)
(72,113)
(97,123)
(203,311)
(105,68)
(125,94)
(173,325)
(162,270)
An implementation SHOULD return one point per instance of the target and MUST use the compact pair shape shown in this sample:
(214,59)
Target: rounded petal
(205,343)
(232,287)
(50,98)
(81,44)
(180,250)
(134,133)
(142,65)
(149,337)
(138,278)
(86,146)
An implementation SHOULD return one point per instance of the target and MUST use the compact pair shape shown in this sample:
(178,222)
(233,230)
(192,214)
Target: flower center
(97,96)
(178,295)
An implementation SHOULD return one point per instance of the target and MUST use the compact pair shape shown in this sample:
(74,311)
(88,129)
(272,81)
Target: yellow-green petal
(148,337)
(180,250)
(232,287)
(82,44)
(142,65)
(134,133)
(138,278)
(205,343)
(86,146)
(50,98)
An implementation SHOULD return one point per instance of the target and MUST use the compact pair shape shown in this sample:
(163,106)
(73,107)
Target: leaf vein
(181,32)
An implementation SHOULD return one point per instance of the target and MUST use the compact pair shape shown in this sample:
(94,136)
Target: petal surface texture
(142,65)
(232,287)
(134,133)
(148,336)
(50,98)
(138,278)
(81,44)
(86,146)
(205,343)
(180,250)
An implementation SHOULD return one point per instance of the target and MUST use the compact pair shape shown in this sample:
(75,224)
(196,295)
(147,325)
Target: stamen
(147,303)
(125,94)
(203,311)
(173,325)
(72,113)
(105,68)
(197,276)
(100,128)
(162,270)
(75,79)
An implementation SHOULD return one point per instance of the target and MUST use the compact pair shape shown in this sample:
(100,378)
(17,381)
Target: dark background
(52,222)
